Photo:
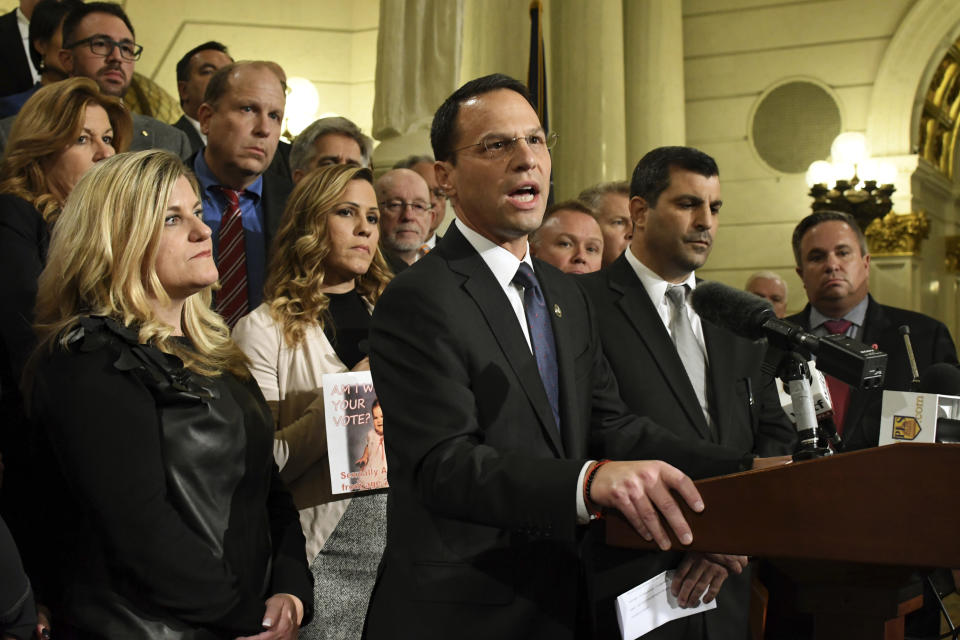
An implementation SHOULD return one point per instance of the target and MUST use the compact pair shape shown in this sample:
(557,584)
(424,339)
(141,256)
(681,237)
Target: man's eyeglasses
(103,46)
(497,146)
(396,207)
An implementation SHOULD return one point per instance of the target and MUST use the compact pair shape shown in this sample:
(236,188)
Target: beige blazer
(291,382)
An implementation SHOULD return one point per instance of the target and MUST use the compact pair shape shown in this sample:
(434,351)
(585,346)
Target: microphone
(752,317)
(905,332)
(819,391)
(822,406)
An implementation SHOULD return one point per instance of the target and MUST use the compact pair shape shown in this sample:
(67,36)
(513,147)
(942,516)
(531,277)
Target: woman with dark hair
(326,274)
(166,515)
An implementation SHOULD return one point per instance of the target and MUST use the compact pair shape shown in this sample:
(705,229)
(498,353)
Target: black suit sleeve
(290,573)
(22,237)
(463,457)
(776,435)
(944,349)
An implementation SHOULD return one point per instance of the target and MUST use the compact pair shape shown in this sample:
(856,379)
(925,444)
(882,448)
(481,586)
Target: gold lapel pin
(556,311)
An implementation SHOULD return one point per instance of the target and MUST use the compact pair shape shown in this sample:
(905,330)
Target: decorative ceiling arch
(927,32)
(940,120)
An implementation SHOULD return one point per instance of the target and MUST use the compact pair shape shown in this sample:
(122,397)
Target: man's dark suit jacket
(395,262)
(481,524)
(932,343)
(196,142)
(654,383)
(15,73)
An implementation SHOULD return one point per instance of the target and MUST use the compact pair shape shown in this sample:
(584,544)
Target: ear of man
(203,117)
(638,212)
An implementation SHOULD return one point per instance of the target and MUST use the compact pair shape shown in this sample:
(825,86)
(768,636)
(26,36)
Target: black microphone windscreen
(739,311)
(941,378)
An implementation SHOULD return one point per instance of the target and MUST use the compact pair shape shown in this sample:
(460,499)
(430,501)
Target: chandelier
(851,181)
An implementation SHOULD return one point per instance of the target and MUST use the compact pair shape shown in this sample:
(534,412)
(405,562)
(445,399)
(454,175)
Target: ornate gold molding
(898,233)
(939,124)
(952,260)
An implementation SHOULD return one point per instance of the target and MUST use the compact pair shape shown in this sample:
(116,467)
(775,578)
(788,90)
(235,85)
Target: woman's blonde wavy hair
(102,262)
(300,250)
(50,121)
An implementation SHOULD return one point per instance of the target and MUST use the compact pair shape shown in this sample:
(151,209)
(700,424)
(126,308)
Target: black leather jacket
(171,520)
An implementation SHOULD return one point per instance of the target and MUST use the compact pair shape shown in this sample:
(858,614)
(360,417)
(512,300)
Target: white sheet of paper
(651,604)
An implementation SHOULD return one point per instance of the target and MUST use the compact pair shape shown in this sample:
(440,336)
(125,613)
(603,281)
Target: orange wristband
(594,512)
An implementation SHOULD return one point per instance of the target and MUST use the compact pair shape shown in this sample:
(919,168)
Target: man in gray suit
(98,43)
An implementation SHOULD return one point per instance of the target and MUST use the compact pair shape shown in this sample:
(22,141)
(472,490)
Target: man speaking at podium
(499,405)
(833,262)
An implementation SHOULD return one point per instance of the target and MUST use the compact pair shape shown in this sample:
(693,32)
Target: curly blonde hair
(49,122)
(102,262)
(301,247)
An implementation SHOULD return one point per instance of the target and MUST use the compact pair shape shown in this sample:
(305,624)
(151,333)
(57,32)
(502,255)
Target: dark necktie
(839,391)
(688,347)
(232,301)
(541,335)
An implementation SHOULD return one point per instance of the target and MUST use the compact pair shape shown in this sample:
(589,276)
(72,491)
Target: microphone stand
(793,370)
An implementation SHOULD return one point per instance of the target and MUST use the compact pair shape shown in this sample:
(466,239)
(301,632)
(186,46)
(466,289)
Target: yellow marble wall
(332,43)
(734,51)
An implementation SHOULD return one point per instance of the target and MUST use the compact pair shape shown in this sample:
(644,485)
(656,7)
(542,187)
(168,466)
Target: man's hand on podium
(700,576)
(639,489)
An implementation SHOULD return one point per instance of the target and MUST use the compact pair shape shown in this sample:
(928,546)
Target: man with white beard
(405,216)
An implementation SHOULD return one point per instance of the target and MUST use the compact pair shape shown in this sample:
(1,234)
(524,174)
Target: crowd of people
(176,294)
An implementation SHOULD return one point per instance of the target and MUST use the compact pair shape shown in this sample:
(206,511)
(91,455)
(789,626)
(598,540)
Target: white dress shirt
(656,287)
(24,26)
(504,266)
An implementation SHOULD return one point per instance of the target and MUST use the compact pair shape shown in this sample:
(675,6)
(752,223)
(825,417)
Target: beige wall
(735,50)
(332,43)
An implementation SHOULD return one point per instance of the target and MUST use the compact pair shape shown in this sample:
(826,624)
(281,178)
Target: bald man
(405,216)
(423,165)
(771,286)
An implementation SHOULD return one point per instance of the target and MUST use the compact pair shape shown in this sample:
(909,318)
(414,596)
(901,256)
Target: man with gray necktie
(698,379)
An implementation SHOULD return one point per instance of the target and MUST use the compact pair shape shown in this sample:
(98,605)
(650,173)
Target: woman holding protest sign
(325,275)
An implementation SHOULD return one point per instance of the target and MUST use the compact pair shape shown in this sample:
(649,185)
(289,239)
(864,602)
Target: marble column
(419,47)
(654,76)
(585,82)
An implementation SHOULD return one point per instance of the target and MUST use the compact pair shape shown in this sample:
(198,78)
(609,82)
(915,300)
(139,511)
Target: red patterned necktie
(839,391)
(232,301)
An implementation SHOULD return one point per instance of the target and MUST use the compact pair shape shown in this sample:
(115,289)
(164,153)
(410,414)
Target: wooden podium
(849,529)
